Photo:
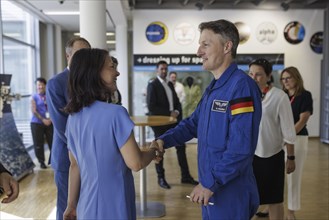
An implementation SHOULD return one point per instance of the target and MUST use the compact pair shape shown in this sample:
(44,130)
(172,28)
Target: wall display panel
(316,42)
(294,32)
(187,65)
(266,33)
(184,33)
(244,31)
(156,33)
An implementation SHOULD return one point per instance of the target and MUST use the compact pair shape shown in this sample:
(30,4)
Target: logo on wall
(316,42)
(184,33)
(244,31)
(266,33)
(156,33)
(294,32)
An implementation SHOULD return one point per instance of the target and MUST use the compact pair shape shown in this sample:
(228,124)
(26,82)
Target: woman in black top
(302,107)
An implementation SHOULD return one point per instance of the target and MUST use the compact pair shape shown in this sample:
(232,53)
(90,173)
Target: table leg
(142,187)
(146,209)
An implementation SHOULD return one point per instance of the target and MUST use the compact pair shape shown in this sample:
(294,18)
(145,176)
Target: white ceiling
(118,12)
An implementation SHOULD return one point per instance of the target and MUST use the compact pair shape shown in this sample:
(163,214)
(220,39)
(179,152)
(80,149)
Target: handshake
(157,146)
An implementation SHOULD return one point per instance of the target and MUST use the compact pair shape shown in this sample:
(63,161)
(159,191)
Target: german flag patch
(241,105)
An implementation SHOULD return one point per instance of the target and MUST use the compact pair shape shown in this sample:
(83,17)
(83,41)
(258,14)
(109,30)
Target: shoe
(262,214)
(163,183)
(43,165)
(189,180)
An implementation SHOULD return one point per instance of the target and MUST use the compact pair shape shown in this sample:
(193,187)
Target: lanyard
(292,99)
(43,98)
(265,90)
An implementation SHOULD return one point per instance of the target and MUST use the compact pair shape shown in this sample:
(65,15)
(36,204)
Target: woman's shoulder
(109,107)
(306,93)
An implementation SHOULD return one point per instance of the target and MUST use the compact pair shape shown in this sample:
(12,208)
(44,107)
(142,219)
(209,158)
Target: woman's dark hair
(42,80)
(85,83)
(264,63)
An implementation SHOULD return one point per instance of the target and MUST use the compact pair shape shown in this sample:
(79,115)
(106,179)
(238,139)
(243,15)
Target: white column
(122,56)
(93,22)
(50,51)
(59,49)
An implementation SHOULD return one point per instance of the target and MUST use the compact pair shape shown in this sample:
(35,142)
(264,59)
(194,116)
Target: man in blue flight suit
(57,98)
(226,123)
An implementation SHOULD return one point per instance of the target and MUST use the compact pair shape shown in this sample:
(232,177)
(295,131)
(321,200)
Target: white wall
(300,55)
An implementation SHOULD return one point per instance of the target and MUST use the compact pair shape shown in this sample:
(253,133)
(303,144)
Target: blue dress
(95,136)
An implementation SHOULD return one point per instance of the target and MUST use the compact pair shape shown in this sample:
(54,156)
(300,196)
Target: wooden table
(146,209)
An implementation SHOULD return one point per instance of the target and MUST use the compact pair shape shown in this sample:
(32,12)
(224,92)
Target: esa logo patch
(219,106)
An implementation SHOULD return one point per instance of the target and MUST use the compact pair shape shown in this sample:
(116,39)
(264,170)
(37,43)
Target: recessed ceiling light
(61,12)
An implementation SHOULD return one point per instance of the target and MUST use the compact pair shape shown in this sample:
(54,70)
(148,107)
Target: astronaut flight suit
(226,123)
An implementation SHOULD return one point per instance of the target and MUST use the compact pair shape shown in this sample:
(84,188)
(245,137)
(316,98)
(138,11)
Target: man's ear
(228,46)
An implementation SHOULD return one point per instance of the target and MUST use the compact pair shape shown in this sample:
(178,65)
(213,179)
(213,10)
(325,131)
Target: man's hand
(10,187)
(174,114)
(160,144)
(200,195)
(158,153)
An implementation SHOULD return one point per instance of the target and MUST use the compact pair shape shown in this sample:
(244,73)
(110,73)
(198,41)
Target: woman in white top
(276,130)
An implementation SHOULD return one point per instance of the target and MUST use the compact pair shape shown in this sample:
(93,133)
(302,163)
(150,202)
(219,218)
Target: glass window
(19,60)
(17,23)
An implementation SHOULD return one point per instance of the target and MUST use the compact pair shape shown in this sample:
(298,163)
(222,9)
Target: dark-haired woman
(302,108)
(102,147)
(41,125)
(276,130)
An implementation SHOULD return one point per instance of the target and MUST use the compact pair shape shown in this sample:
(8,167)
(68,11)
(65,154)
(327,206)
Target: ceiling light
(110,41)
(61,12)
(107,34)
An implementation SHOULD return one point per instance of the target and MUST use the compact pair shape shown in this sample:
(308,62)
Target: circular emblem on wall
(316,42)
(184,33)
(156,32)
(266,33)
(294,32)
(244,31)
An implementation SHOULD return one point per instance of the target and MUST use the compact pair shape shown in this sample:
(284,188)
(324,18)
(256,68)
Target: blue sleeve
(241,140)
(183,132)
(56,101)
(122,126)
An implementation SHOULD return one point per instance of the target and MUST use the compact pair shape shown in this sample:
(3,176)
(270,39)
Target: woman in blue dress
(101,143)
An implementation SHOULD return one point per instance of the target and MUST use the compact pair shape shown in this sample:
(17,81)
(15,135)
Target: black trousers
(181,156)
(39,133)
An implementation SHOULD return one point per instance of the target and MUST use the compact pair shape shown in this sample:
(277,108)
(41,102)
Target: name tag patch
(219,106)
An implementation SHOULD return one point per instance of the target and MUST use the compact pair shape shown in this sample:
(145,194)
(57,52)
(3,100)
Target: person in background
(193,96)
(162,99)
(276,130)
(226,124)
(302,108)
(116,97)
(179,87)
(41,125)
(8,185)
(57,98)
(101,142)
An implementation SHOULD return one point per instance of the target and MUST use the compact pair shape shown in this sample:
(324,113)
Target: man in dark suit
(57,98)
(162,100)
